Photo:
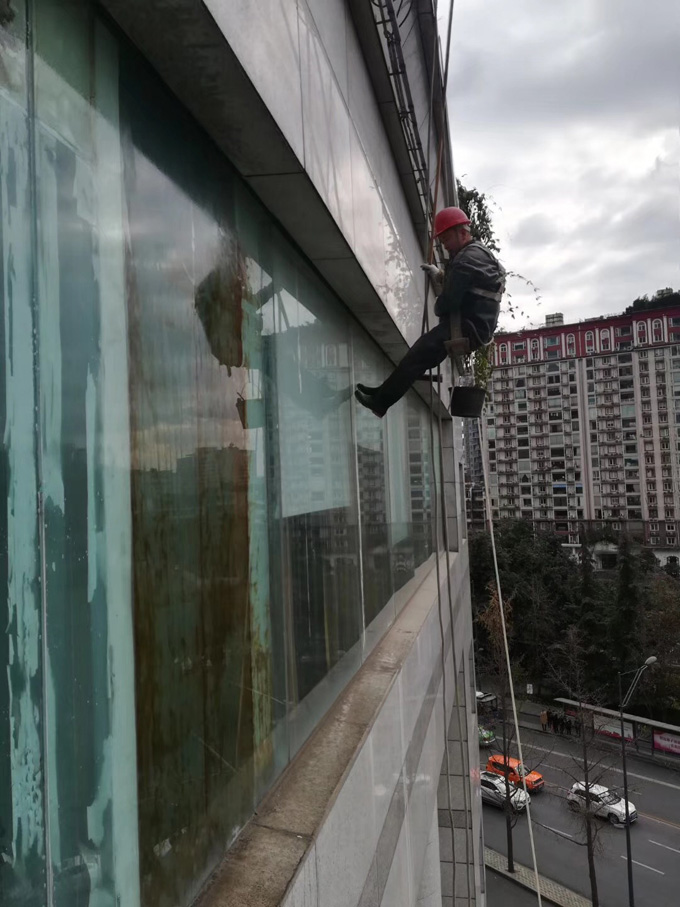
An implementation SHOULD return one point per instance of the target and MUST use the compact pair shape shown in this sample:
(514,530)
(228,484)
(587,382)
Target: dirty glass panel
(22,806)
(317,500)
(206,695)
(89,772)
(409,474)
(419,479)
(13,52)
(259,239)
(370,368)
(401,548)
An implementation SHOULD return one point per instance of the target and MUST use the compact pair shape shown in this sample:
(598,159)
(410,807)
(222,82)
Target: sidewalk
(551,892)
(531,722)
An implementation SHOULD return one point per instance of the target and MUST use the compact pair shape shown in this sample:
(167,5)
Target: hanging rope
(425,327)
(489,518)
(442,526)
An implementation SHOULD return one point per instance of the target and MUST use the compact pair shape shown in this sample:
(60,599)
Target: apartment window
(604,340)
(657,330)
(642,332)
(590,343)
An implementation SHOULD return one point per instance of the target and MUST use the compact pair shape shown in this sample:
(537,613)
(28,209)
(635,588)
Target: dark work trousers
(426,353)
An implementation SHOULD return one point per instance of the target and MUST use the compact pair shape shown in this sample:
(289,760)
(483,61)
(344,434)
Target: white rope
(512,686)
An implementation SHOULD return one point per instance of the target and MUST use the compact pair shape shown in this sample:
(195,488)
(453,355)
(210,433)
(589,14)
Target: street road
(655,837)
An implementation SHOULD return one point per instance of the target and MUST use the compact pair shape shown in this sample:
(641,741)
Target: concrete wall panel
(264,37)
(326,127)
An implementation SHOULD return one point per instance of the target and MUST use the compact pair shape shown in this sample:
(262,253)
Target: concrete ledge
(270,852)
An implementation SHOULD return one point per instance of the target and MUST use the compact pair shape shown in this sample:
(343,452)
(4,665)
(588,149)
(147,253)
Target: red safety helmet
(449,217)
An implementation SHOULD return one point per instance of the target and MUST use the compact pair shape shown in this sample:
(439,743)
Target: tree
(476,206)
(664,298)
(661,637)
(591,615)
(624,625)
(496,666)
(591,764)
(537,574)
(494,663)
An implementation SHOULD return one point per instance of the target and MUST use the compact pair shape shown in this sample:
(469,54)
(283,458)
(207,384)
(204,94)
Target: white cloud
(567,115)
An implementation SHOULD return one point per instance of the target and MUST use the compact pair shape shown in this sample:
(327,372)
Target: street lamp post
(623,703)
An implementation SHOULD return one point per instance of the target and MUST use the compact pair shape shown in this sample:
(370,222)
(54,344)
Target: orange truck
(514,769)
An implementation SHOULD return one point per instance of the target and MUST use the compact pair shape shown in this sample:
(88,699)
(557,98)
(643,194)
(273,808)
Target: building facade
(221,668)
(582,427)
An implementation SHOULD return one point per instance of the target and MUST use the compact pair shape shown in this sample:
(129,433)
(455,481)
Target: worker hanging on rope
(471,285)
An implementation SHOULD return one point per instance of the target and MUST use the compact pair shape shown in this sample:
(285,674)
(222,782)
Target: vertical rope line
(429,241)
(507,660)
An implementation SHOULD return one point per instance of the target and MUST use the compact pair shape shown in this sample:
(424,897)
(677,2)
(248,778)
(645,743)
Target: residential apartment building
(583,426)
(222,672)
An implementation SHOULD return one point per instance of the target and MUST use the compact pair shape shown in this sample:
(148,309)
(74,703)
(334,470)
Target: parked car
(486,737)
(603,802)
(493,792)
(515,770)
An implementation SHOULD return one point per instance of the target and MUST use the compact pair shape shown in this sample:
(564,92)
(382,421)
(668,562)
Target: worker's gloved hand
(434,272)
(436,276)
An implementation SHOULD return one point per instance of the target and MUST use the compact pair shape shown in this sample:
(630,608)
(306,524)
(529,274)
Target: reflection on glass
(317,506)
(220,525)
(199,500)
(22,708)
(371,441)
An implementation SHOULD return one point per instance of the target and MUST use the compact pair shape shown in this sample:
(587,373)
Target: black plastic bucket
(467,402)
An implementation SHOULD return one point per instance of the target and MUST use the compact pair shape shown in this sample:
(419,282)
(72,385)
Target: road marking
(658,844)
(657,819)
(612,768)
(644,866)
(563,833)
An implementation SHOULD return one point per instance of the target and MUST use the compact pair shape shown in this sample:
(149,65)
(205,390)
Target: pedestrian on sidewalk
(544,721)
(567,725)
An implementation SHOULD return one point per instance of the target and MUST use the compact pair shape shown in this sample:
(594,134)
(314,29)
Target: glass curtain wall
(203,537)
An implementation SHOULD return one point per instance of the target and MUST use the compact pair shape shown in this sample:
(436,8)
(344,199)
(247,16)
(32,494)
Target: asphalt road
(655,837)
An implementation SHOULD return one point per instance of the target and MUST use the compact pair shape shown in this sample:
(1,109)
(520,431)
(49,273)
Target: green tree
(624,624)
(539,575)
(662,299)
(661,637)
(590,764)
(591,614)
(476,206)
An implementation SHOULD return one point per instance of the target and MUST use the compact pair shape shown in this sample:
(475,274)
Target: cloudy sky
(567,114)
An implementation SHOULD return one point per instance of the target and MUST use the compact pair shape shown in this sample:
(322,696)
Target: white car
(493,792)
(603,802)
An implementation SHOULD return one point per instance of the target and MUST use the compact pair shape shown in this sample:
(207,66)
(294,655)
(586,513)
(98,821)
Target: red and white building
(583,425)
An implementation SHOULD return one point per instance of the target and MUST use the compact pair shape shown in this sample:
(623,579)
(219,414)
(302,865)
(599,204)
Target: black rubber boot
(369,401)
